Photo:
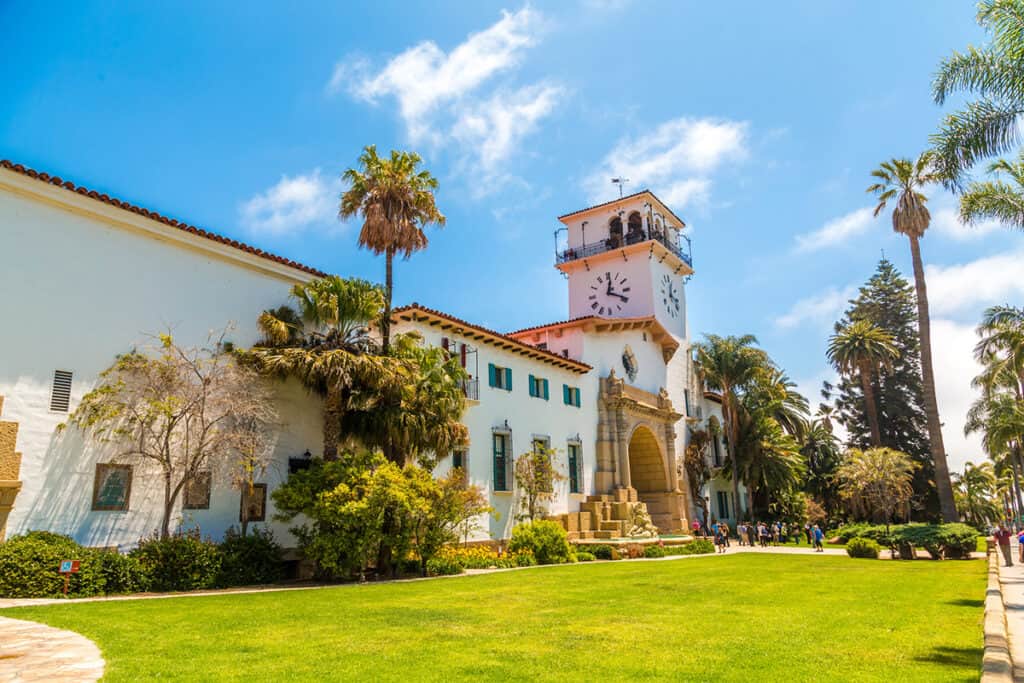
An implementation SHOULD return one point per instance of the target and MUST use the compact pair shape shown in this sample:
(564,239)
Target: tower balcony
(618,242)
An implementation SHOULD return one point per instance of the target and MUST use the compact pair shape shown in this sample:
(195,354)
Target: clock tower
(627,259)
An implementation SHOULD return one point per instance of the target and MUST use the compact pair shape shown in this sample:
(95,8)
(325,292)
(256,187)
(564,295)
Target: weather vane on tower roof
(621,182)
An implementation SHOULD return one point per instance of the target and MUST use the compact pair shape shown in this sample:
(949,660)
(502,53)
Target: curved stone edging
(996,665)
(30,651)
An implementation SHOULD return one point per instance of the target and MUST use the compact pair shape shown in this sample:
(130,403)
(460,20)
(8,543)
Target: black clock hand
(624,298)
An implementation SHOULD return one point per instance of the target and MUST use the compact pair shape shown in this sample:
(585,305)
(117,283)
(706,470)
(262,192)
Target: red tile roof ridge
(171,222)
(682,223)
(551,355)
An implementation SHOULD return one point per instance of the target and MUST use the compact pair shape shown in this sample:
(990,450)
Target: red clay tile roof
(560,323)
(682,223)
(113,201)
(502,339)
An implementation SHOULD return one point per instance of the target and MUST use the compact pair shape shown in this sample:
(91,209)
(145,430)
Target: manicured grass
(735,618)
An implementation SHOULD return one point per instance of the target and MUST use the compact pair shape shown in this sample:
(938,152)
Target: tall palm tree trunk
(1015,466)
(385,323)
(931,407)
(870,407)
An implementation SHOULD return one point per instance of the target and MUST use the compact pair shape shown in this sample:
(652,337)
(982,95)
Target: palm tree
(326,345)
(863,348)
(396,201)
(728,365)
(990,124)
(821,452)
(769,459)
(996,199)
(976,494)
(877,482)
(901,180)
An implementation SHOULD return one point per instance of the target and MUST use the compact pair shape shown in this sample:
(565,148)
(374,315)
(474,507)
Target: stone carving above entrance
(636,450)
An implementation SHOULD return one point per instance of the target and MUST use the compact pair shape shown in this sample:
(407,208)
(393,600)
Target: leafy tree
(996,199)
(351,508)
(535,475)
(994,74)
(864,349)
(396,201)
(876,482)
(887,300)
(695,463)
(184,410)
(729,365)
(900,181)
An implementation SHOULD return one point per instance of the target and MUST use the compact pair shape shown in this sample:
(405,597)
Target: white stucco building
(84,277)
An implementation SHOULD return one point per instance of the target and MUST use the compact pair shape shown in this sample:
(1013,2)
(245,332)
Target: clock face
(669,296)
(609,292)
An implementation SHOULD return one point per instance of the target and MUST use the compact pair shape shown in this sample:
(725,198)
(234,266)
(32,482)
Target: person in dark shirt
(1002,536)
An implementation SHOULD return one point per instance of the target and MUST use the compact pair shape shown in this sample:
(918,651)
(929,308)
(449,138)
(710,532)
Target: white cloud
(946,221)
(968,286)
(955,367)
(676,159)
(449,97)
(496,126)
(837,231)
(819,308)
(291,205)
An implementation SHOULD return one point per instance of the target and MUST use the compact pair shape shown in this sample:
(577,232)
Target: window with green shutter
(571,395)
(501,461)
(574,467)
(499,377)
(539,388)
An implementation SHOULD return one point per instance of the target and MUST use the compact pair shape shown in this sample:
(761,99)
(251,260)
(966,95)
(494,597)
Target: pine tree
(888,301)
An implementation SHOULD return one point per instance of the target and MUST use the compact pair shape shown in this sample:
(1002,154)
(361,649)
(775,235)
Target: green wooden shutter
(508,379)
(577,401)
(546,395)
(532,387)
(565,395)
(492,375)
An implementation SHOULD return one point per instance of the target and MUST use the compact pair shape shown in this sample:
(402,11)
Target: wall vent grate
(60,396)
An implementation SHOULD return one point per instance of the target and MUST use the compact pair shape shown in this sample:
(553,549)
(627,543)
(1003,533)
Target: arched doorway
(648,476)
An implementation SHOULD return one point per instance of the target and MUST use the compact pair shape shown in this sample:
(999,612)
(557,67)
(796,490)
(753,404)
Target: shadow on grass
(966,602)
(953,656)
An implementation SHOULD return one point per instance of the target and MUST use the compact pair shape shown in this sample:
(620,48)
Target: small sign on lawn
(67,568)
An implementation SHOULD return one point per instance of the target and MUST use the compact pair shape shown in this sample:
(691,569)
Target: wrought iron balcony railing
(594,248)
(471,389)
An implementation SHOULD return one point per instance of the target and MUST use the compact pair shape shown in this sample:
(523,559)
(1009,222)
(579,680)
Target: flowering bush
(484,557)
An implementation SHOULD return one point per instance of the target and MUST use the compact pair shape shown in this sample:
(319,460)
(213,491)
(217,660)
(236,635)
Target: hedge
(950,541)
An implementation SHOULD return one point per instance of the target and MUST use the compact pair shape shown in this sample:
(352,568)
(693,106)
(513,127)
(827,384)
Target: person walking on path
(807,532)
(1002,536)
(819,539)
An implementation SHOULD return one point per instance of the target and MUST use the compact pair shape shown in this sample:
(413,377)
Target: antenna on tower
(621,182)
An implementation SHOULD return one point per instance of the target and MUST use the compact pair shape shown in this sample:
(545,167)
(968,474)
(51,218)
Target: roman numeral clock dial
(609,292)
(669,296)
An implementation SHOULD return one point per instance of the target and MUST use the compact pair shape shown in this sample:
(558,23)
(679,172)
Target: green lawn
(738,618)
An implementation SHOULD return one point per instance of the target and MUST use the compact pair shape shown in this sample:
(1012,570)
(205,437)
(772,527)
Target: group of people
(762,534)
(1002,536)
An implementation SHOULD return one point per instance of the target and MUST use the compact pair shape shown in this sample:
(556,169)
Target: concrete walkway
(35,652)
(1011,585)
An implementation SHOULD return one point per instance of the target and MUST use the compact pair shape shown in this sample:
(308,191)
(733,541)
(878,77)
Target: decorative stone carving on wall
(10,469)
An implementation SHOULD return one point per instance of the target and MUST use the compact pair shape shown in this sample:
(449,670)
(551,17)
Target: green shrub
(654,551)
(584,556)
(700,546)
(252,559)
(182,562)
(958,541)
(121,573)
(443,566)
(524,558)
(863,547)
(30,567)
(600,552)
(547,541)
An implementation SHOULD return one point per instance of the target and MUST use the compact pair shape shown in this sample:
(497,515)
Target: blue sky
(758,125)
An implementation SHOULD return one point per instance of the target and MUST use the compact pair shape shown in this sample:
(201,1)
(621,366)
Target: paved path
(35,652)
(1011,585)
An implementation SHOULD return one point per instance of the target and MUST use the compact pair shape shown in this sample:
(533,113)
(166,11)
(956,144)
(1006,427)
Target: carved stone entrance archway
(636,451)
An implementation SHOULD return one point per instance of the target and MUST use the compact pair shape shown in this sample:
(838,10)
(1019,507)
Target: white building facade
(611,389)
